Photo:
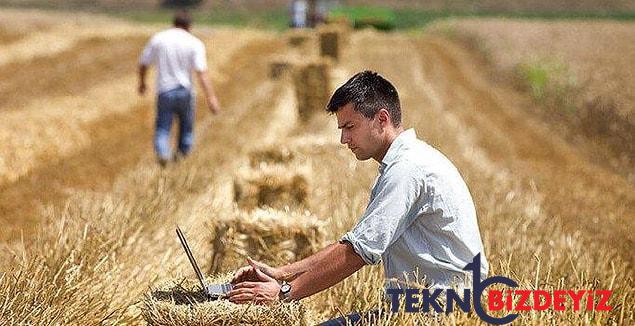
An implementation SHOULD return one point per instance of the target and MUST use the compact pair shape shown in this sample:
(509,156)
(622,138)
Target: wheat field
(580,71)
(88,217)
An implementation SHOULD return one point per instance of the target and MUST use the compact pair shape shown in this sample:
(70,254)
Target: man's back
(176,53)
(446,231)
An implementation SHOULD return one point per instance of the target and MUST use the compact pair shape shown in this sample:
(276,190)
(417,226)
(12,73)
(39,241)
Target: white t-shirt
(176,53)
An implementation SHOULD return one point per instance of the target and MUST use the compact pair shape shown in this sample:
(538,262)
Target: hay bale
(274,154)
(268,235)
(298,37)
(333,37)
(330,44)
(278,68)
(312,88)
(272,186)
(303,42)
(181,302)
(282,65)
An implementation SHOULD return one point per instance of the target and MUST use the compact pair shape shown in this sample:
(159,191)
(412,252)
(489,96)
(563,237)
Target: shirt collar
(395,147)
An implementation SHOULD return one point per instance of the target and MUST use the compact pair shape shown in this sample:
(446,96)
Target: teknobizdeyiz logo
(425,300)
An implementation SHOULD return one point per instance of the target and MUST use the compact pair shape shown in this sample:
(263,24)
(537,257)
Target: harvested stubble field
(580,72)
(97,215)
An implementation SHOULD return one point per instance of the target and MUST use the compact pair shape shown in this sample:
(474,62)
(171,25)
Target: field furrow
(73,71)
(527,147)
(149,199)
(85,141)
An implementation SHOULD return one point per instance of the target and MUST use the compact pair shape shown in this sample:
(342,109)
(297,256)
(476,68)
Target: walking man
(298,13)
(420,221)
(176,53)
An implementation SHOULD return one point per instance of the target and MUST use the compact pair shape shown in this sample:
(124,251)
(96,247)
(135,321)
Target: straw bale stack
(283,65)
(297,150)
(272,186)
(314,151)
(299,37)
(268,235)
(303,42)
(274,154)
(181,302)
(278,68)
(330,44)
(332,39)
(312,87)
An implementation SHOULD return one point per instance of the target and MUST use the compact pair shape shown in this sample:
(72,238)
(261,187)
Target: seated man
(420,220)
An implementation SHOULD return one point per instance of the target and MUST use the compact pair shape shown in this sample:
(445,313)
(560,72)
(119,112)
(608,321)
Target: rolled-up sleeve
(392,208)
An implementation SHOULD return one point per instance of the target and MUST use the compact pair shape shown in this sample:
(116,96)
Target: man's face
(360,134)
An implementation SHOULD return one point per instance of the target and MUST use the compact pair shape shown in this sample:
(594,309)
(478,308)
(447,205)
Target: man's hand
(210,96)
(142,88)
(142,79)
(263,290)
(248,273)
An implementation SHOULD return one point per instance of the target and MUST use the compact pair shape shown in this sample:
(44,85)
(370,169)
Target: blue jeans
(179,102)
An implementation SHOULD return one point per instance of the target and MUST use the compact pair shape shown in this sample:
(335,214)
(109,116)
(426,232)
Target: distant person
(298,13)
(176,53)
(321,12)
(420,221)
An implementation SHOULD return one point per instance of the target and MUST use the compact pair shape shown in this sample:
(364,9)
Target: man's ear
(384,117)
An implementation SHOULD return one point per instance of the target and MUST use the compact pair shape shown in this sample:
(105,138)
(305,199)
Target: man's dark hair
(368,92)
(183,19)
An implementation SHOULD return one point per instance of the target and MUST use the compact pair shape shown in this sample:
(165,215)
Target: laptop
(212,291)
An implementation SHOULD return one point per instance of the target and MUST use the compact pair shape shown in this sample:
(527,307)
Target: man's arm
(308,276)
(322,270)
(210,96)
(142,78)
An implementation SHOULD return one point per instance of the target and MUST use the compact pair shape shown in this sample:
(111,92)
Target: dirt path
(70,72)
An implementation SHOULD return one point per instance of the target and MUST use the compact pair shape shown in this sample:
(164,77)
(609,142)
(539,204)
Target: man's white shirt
(420,220)
(176,53)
